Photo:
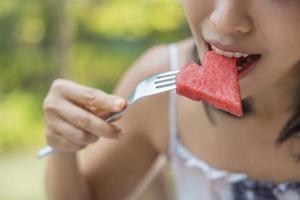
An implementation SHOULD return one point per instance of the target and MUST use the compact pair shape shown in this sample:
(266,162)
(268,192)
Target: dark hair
(290,129)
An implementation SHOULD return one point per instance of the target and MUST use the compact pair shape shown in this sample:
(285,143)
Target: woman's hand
(74,115)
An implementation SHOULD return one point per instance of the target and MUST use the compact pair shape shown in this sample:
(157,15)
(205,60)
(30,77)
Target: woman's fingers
(87,121)
(71,132)
(71,115)
(88,97)
(57,141)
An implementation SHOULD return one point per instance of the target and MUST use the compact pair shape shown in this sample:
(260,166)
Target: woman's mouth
(245,62)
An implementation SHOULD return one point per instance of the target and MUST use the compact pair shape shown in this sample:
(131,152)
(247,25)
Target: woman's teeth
(229,54)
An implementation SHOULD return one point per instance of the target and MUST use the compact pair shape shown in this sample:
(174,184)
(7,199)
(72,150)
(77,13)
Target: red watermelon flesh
(216,82)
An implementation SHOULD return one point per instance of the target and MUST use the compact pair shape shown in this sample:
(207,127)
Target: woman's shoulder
(157,59)
(151,113)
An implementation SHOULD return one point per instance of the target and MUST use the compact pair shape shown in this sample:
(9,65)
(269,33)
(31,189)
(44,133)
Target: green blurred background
(88,41)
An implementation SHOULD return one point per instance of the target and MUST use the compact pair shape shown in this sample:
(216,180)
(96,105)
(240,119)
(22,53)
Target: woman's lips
(228,48)
(243,72)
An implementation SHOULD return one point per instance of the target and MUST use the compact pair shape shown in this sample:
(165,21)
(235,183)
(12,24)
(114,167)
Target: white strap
(174,61)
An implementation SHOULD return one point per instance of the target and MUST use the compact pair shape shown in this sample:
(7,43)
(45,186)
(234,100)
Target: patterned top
(197,180)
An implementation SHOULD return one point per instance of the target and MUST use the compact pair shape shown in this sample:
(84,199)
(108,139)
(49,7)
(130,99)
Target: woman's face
(270,28)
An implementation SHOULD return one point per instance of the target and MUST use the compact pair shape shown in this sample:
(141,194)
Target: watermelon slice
(216,82)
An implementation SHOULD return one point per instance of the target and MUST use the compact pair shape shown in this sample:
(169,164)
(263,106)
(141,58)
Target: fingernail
(117,103)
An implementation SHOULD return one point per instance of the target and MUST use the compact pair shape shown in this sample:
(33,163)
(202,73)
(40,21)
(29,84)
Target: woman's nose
(229,18)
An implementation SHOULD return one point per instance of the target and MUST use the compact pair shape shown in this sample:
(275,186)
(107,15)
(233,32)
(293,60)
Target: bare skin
(110,168)
(109,165)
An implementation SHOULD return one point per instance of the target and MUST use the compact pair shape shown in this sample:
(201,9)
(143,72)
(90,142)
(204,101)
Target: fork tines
(166,79)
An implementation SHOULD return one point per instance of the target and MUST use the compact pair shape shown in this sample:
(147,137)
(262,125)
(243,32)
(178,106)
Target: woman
(214,155)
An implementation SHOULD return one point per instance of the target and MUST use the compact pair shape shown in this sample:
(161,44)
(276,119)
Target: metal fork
(153,85)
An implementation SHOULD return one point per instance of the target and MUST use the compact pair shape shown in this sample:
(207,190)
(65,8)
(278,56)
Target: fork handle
(47,150)
(116,115)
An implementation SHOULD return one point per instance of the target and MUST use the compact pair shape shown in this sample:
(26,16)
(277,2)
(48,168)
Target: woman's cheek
(278,33)
(285,38)
(196,10)
(282,17)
